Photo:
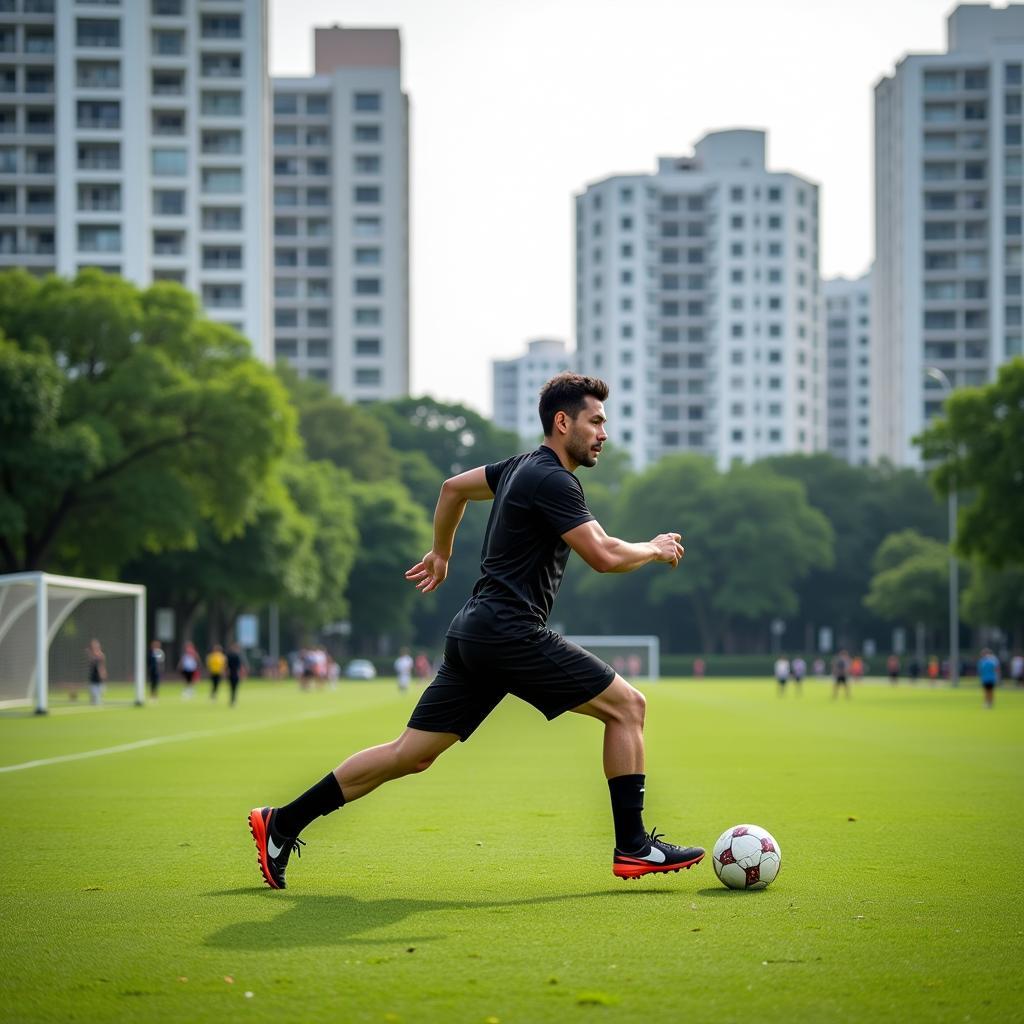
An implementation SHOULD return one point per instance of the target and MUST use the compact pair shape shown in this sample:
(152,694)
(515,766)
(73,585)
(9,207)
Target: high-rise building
(341,216)
(134,137)
(949,172)
(848,347)
(697,299)
(517,384)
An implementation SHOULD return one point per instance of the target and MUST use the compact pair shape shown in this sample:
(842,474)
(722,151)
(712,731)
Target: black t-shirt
(536,500)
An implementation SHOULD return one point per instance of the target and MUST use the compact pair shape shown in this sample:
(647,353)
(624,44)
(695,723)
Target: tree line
(141,441)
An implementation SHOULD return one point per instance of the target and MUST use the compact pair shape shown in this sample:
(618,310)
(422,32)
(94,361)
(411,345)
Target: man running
(499,642)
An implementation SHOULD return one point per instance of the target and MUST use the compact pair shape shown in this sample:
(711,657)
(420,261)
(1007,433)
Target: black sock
(627,792)
(324,797)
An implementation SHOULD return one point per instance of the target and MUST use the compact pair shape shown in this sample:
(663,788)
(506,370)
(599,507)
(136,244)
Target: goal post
(46,621)
(633,657)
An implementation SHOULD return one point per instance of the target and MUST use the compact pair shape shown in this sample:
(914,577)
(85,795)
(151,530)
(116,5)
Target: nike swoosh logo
(275,851)
(655,856)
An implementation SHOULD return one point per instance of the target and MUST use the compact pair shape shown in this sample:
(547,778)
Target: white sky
(517,104)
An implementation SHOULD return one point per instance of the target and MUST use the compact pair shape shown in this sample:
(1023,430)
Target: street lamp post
(954,566)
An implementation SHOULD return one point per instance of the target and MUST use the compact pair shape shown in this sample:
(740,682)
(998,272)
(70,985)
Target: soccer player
(499,642)
(988,676)
(781,673)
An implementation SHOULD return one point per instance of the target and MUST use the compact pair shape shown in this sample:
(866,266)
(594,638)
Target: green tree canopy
(452,437)
(863,504)
(350,436)
(978,446)
(394,532)
(911,581)
(146,421)
(750,535)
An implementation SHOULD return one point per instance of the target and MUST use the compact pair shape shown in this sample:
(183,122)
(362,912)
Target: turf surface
(482,890)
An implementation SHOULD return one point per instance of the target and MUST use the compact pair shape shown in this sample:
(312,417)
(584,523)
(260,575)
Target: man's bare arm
(609,554)
(456,492)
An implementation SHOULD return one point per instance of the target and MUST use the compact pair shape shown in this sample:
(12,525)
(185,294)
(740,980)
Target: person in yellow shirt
(215,662)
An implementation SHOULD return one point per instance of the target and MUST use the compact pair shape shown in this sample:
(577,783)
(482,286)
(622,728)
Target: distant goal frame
(651,642)
(46,631)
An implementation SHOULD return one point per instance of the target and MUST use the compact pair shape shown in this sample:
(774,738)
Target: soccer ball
(746,857)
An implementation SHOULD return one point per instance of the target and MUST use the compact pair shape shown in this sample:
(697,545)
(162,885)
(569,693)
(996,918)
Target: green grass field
(482,890)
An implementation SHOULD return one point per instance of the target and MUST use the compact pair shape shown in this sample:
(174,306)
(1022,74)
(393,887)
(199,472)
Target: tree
(995,597)
(350,436)
(978,446)
(393,534)
(911,581)
(148,420)
(863,505)
(452,437)
(750,535)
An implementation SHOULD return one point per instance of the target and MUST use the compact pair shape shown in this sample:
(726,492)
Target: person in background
(237,667)
(1017,669)
(819,666)
(155,667)
(698,668)
(914,669)
(403,669)
(215,663)
(781,673)
(188,665)
(857,668)
(797,671)
(988,676)
(423,667)
(97,671)
(840,671)
(933,669)
(892,665)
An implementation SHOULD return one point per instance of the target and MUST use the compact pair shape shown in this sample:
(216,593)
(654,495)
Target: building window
(168,202)
(222,180)
(221,26)
(96,114)
(99,238)
(367,346)
(168,42)
(366,132)
(367,193)
(220,103)
(367,164)
(367,286)
(365,316)
(367,256)
(367,376)
(286,103)
(222,218)
(97,32)
(366,102)
(316,104)
(169,162)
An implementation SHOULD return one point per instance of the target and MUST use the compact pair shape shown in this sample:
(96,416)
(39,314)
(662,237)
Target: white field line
(158,740)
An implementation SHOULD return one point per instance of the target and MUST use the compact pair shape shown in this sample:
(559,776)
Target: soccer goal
(633,657)
(46,625)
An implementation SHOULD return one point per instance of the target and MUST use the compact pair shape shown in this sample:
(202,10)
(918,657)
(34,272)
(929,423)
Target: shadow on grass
(318,920)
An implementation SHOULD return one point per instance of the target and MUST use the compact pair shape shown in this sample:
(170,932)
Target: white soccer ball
(746,857)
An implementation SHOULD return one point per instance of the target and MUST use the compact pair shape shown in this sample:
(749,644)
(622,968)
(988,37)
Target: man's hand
(669,548)
(429,573)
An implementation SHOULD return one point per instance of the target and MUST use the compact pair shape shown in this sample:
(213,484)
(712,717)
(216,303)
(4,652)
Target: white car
(360,669)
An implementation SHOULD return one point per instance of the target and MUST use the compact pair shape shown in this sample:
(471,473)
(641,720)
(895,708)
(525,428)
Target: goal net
(633,657)
(47,623)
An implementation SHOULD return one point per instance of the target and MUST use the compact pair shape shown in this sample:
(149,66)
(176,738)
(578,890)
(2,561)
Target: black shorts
(841,679)
(548,672)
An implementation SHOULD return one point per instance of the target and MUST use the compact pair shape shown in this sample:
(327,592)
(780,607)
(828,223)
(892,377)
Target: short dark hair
(567,392)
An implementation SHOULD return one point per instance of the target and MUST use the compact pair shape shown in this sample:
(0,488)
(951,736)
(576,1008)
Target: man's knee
(411,757)
(622,704)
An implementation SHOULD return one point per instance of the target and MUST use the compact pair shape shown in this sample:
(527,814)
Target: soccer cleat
(272,849)
(655,857)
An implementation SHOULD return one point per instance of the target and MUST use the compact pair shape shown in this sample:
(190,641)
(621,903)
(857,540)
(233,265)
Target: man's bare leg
(276,829)
(622,709)
(413,751)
